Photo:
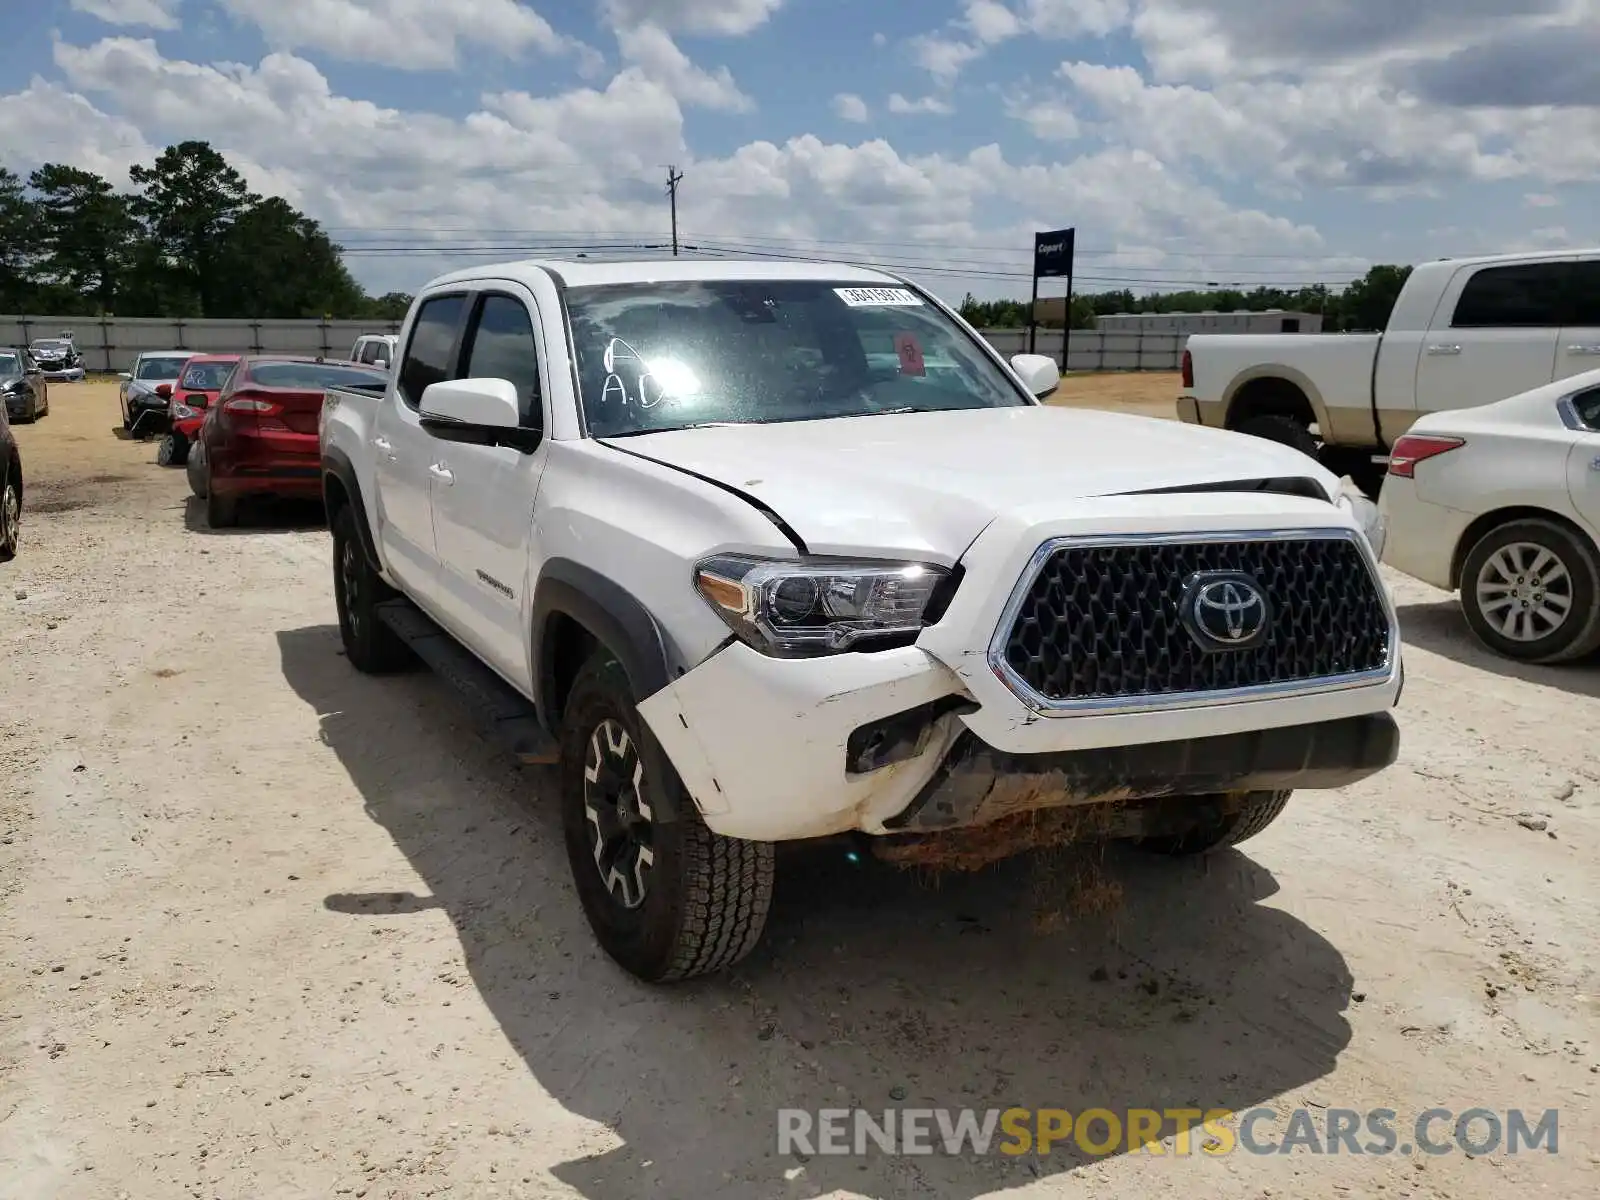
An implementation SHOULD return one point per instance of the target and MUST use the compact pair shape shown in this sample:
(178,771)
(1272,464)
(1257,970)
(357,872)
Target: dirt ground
(271,928)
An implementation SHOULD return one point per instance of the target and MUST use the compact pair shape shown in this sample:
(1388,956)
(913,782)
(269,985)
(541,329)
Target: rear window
(1526,296)
(205,377)
(160,368)
(310,376)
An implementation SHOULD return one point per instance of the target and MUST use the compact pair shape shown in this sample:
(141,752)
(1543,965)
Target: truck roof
(585,272)
(1485,260)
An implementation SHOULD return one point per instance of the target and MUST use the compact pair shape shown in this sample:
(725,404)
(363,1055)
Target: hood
(929,483)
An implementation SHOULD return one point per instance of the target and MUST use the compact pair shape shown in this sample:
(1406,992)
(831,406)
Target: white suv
(720,540)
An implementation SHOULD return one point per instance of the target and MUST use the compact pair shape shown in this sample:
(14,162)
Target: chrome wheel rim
(11,515)
(1524,591)
(350,585)
(620,819)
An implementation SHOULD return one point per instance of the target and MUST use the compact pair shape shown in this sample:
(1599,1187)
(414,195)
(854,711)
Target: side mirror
(1039,373)
(381,363)
(477,412)
(124,374)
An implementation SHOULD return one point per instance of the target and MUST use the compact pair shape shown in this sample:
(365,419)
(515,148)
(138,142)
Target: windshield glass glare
(205,377)
(10,364)
(662,356)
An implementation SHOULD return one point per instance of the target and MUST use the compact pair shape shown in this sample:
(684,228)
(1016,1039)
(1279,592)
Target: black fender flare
(336,464)
(617,620)
(613,616)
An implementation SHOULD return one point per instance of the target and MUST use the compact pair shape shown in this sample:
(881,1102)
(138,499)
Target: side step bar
(507,716)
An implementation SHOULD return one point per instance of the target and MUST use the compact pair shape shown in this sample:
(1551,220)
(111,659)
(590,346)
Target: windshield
(10,364)
(159,368)
(659,356)
(49,344)
(205,377)
(311,376)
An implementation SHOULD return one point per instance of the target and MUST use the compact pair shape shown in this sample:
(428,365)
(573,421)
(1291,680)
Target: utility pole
(674,177)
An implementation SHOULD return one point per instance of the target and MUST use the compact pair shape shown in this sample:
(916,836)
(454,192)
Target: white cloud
(847,106)
(588,160)
(880,39)
(155,14)
(1540,200)
(726,17)
(984,24)
(901,106)
(652,50)
(1341,128)
(411,34)
(1048,118)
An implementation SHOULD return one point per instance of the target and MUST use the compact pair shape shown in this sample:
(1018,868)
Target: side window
(1528,296)
(369,352)
(433,336)
(1587,406)
(1584,294)
(502,346)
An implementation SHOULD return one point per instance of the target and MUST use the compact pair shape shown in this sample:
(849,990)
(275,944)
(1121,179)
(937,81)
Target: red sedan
(198,386)
(260,437)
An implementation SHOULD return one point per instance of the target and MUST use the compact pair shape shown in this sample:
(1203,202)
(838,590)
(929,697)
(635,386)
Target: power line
(797,240)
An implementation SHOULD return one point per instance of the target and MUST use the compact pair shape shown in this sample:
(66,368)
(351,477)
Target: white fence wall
(111,344)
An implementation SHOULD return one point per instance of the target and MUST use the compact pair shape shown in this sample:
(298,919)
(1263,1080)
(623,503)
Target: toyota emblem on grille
(1225,610)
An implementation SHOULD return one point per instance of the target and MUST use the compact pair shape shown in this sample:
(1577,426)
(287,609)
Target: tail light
(1413,448)
(1188,370)
(266,413)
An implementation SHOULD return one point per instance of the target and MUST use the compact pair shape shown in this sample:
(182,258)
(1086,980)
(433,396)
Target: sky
(1189,142)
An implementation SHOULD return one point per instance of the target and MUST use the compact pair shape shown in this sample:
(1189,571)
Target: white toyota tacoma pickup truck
(1463,332)
(716,540)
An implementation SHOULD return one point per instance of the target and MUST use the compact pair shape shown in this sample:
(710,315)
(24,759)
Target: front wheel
(10,519)
(666,900)
(1249,815)
(1530,590)
(173,450)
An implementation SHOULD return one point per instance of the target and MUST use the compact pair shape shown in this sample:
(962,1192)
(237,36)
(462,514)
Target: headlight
(181,412)
(793,607)
(1366,516)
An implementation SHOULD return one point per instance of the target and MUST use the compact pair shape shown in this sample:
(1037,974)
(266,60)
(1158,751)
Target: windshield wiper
(677,428)
(895,412)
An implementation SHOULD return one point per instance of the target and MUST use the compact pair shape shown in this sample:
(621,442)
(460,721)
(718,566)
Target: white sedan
(1503,503)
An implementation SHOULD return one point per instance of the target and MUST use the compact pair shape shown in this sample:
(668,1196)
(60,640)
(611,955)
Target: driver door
(483,495)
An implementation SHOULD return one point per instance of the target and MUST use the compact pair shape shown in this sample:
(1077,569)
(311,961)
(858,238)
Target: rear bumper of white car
(1421,538)
(940,734)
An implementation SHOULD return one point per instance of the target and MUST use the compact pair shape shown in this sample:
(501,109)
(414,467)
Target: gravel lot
(274,929)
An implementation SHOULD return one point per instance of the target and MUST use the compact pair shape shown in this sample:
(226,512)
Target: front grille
(1101,623)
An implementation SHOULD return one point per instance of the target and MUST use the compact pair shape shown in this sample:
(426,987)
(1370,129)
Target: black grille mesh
(1101,622)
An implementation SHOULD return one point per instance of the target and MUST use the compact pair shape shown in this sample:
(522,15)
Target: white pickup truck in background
(1463,332)
(763,552)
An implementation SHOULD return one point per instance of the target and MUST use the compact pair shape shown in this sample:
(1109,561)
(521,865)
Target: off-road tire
(369,644)
(1283,430)
(1255,813)
(1579,634)
(707,898)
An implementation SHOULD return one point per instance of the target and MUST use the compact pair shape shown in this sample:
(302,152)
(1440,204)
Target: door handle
(1444,349)
(1590,350)
(382,443)
(441,472)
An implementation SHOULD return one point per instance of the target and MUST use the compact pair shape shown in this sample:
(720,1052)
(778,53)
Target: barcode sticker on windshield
(867,297)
